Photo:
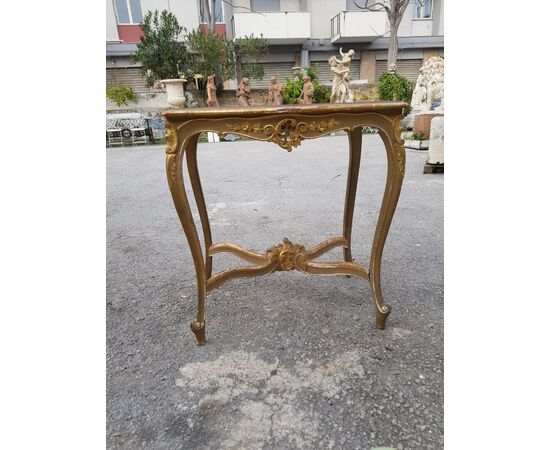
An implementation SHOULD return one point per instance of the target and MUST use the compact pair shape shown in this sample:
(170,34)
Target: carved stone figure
(274,93)
(341,85)
(243,92)
(306,97)
(429,85)
(211,97)
(190,100)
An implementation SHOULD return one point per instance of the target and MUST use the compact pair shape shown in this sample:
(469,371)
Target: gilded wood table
(286,126)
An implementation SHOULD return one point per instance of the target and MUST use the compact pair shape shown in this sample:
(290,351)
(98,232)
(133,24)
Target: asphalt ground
(292,361)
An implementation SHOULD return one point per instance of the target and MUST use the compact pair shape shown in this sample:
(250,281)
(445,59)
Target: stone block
(435,151)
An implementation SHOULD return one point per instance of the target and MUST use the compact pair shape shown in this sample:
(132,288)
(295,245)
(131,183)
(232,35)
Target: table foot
(199,329)
(381,316)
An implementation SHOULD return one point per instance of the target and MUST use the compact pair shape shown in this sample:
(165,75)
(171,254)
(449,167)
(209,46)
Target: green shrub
(293,89)
(322,93)
(121,94)
(395,87)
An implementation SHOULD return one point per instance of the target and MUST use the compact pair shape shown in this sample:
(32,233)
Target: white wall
(321,13)
(290,5)
(273,25)
(410,27)
(441,18)
(112,31)
(405,28)
(186,11)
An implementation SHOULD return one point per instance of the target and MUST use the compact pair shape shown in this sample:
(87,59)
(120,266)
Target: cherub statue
(274,93)
(243,92)
(306,97)
(211,97)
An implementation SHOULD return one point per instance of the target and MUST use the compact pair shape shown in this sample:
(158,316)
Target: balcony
(276,27)
(358,26)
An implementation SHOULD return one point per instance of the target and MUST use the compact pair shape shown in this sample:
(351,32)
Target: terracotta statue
(211,98)
(243,92)
(274,93)
(341,85)
(306,97)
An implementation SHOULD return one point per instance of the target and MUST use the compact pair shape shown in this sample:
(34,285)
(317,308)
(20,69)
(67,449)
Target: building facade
(299,33)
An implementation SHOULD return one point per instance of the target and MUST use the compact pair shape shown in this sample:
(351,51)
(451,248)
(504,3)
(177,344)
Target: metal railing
(335,25)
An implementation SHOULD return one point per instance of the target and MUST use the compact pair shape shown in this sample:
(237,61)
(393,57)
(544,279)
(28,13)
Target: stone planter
(417,144)
(175,92)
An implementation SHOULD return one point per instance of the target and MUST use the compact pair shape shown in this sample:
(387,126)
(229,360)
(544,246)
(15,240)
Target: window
(351,6)
(128,11)
(218,11)
(265,5)
(422,9)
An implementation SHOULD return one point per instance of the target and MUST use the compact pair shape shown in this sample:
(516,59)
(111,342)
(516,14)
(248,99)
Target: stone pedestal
(422,123)
(435,151)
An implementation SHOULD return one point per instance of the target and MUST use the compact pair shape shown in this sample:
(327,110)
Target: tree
(159,52)
(394,10)
(211,54)
(250,48)
(253,49)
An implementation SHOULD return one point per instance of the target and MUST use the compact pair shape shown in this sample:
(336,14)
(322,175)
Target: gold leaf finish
(286,126)
(287,133)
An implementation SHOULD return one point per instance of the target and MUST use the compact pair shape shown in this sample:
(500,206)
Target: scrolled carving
(289,256)
(171,138)
(399,145)
(287,133)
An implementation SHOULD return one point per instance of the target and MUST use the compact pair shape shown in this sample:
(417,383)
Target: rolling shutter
(129,76)
(323,70)
(409,68)
(281,70)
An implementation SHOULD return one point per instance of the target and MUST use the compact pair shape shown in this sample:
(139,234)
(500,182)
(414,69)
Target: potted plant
(161,54)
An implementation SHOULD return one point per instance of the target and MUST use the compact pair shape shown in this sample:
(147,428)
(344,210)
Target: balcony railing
(358,26)
(276,27)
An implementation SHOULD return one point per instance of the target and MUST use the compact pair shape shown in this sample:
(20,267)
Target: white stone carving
(435,151)
(340,69)
(429,86)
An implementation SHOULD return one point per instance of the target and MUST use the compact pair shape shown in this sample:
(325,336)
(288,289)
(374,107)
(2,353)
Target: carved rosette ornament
(287,133)
(288,256)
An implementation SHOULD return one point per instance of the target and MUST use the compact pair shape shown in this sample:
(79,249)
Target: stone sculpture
(211,98)
(429,86)
(274,93)
(341,85)
(306,97)
(190,100)
(243,92)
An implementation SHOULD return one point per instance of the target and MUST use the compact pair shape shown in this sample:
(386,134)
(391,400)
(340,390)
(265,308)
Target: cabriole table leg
(176,147)
(395,152)
(355,139)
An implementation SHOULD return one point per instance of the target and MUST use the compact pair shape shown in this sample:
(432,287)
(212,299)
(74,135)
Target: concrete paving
(291,361)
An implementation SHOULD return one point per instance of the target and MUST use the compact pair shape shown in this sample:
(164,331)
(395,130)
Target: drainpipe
(304,59)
